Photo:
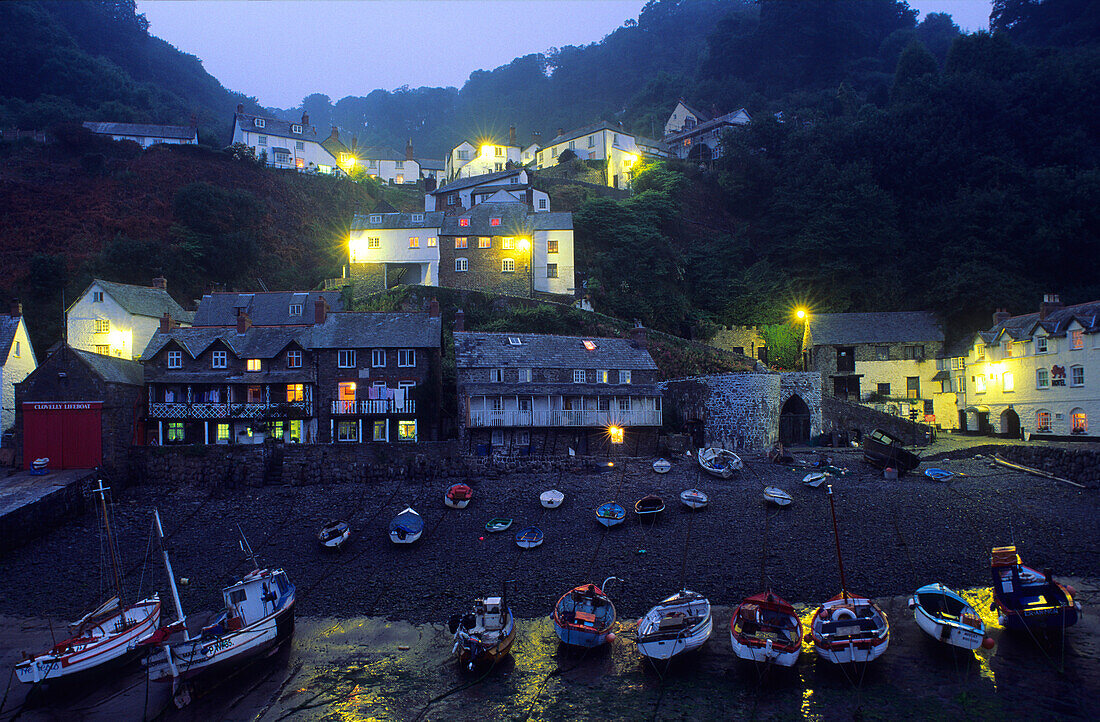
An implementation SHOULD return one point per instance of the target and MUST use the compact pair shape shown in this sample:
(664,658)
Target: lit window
(602,376)
(523,376)
(1007,381)
(378,357)
(1006,349)
(223,432)
(374,242)
(406,430)
(551,246)
(97,296)
(578,376)
(551,270)
(345,358)
(979,384)
(616,433)
(1042,379)
(1042,421)
(381,430)
(414,241)
(259,122)
(103,349)
(461,265)
(484,242)
(1040,344)
(432,242)
(175,431)
(590,345)
(175,359)
(464,222)
(460,243)
(295,392)
(496,375)
(406,357)
(1076,375)
(253,364)
(509,244)
(1080,421)
(218,360)
(515,341)
(1076,339)
(345,391)
(508,265)
(347,431)
(255,394)
(102,325)
(494,221)
(624,376)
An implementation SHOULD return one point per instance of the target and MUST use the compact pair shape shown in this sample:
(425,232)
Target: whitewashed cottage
(118,319)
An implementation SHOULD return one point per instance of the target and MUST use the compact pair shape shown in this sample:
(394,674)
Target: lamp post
(803,316)
(526,245)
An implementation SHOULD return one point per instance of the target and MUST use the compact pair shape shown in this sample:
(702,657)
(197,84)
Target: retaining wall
(1080,465)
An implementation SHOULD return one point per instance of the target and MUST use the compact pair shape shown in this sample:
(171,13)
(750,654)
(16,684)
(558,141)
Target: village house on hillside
(488,156)
(17,360)
(603,141)
(388,249)
(118,319)
(264,308)
(692,135)
(282,144)
(463,194)
(524,393)
(146,134)
(388,165)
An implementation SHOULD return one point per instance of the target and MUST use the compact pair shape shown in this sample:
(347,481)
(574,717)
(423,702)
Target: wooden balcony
(587,418)
(365,407)
(211,410)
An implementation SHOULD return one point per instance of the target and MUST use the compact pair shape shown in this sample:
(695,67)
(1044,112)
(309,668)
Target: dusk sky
(280,51)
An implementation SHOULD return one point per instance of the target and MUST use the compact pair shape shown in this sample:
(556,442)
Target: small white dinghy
(334,534)
(551,499)
(662,466)
(777,496)
(694,499)
(458,496)
(406,527)
(719,462)
(814,478)
(680,623)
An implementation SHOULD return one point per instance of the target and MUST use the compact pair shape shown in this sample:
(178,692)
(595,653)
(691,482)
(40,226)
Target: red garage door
(68,432)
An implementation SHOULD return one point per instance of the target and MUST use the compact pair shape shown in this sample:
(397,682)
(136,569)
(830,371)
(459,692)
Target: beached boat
(458,496)
(551,499)
(814,478)
(334,535)
(406,527)
(585,616)
(948,618)
(678,624)
(662,466)
(529,537)
(649,506)
(887,451)
(485,634)
(1026,598)
(939,474)
(610,514)
(498,524)
(719,462)
(694,499)
(766,629)
(107,635)
(777,496)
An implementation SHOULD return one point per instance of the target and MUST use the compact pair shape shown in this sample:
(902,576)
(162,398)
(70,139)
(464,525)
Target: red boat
(458,496)
(765,628)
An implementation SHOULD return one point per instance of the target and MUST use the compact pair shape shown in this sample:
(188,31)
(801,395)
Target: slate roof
(586,130)
(1056,323)
(493,350)
(699,115)
(270,308)
(829,329)
(275,126)
(111,369)
(334,146)
(143,130)
(477,180)
(8,327)
(431,219)
(377,152)
(505,389)
(727,119)
(142,300)
(515,220)
(257,342)
(432,164)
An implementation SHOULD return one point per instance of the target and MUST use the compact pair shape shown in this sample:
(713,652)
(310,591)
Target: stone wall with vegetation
(1080,465)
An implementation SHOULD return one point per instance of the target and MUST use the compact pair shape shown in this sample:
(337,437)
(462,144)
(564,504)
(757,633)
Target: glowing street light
(800,313)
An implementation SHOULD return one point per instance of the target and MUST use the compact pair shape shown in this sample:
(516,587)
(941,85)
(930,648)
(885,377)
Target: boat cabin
(489,614)
(587,606)
(261,593)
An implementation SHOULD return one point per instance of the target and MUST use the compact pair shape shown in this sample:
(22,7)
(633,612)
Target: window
(460,243)
(945,386)
(175,431)
(255,394)
(551,270)
(372,164)
(525,403)
(578,376)
(497,437)
(572,145)
(1042,379)
(219,360)
(624,404)
(1042,421)
(1006,349)
(602,376)
(523,375)
(464,222)
(223,432)
(591,141)
(1040,344)
(406,357)
(102,325)
(624,376)
(175,359)
(253,364)
(102,349)
(259,122)
(883,389)
(347,431)
(295,309)
(513,181)
(542,204)
(554,151)
(494,221)
(463,154)
(515,341)
(418,217)
(295,392)
(451,199)
(979,384)
(374,242)
(414,241)
(1008,382)
(294,359)
(399,165)
(496,376)
(381,430)
(882,353)
(97,296)
(1080,421)
(461,264)
(406,430)
(282,156)
(295,128)
(1076,339)
(1076,375)
(299,145)
(376,218)
(345,391)
(616,433)
(912,387)
(914,353)
(378,357)
(498,403)
(960,384)
(499,152)
(509,244)
(551,246)
(603,404)
(508,265)
(345,358)
(485,242)
(432,242)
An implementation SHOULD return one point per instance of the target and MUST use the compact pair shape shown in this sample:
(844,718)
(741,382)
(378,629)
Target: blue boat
(530,537)
(1028,599)
(947,617)
(939,474)
(610,514)
(585,616)
(406,527)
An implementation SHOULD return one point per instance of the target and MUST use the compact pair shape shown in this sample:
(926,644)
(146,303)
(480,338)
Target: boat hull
(662,466)
(764,628)
(679,624)
(854,637)
(668,648)
(551,499)
(1026,598)
(777,496)
(949,634)
(951,627)
(581,638)
(456,503)
(768,654)
(694,499)
(610,521)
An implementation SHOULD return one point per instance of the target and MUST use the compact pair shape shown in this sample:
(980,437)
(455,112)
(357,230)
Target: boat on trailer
(678,624)
(584,616)
(610,514)
(1027,598)
(458,496)
(947,617)
(766,629)
(485,634)
(694,499)
(406,527)
(719,462)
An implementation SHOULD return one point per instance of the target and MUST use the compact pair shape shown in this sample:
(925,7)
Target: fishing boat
(814,478)
(678,624)
(848,627)
(485,634)
(107,635)
(610,514)
(719,462)
(406,527)
(694,499)
(662,466)
(1027,598)
(777,496)
(529,537)
(939,474)
(334,535)
(585,616)
(258,616)
(948,618)
(551,499)
(766,629)
(887,451)
(649,506)
(458,496)
(498,524)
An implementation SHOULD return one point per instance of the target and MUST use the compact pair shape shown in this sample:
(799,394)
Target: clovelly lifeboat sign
(62,405)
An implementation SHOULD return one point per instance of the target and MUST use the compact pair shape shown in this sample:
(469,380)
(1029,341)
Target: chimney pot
(240,107)
(1000,316)
(305,120)
(320,310)
(160,282)
(511,135)
(335,134)
(16,308)
(244,322)
(561,131)
(1051,302)
(409,150)
(638,336)
(460,321)
(433,308)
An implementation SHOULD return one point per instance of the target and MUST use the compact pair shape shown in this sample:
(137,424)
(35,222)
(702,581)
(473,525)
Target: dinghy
(529,538)
(406,527)
(939,474)
(458,496)
(551,499)
(678,624)
(948,618)
(610,514)
(765,629)
(662,466)
(814,478)
(334,535)
(498,524)
(1027,598)
(719,462)
(777,496)
(649,506)
(585,616)
(484,635)
(694,499)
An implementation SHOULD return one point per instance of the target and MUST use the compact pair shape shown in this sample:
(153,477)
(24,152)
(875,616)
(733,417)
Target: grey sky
(282,50)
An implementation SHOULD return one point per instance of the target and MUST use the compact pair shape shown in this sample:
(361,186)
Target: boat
(258,616)
(529,537)
(848,627)
(678,624)
(719,462)
(458,496)
(948,618)
(334,535)
(694,499)
(777,496)
(887,451)
(662,466)
(1026,598)
(649,506)
(939,474)
(498,524)
(610,514)
(406,527)
(766,629)
(814,478)
(107,635)
(585,616)
(551,499)
(485,634)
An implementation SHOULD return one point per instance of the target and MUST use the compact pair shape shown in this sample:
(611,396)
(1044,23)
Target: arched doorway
(794,421)
(1010,423)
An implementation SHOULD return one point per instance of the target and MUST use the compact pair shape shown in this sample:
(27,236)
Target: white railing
(374,406)
(647,417)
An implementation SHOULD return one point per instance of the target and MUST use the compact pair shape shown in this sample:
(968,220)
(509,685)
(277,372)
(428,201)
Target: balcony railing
(373,406)
(213,410)
(647,417)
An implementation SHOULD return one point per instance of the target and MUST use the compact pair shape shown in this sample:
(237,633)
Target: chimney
(433,308)
(1002,315)
(335,134)
(511,135)
(244,322)
(638,336)
(1051,302)
(561,132)
(160,282)
(16,308)
(460,321)
(305,120)
(354,142)
(409,150)
(320,310)
(165,323)
(536,137)
(240,107)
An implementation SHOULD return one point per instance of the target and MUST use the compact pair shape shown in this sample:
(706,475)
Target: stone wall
(845,417)
(737,411)
(484,267)
(367,277)
(807,385)
(746,340)
(1080,465)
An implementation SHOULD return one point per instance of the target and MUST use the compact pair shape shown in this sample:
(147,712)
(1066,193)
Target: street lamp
(525,246)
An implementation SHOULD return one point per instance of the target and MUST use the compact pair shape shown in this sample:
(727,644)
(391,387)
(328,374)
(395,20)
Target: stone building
(745,340)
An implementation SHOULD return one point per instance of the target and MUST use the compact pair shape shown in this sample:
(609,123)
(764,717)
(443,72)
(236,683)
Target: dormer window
(494,221)
(259,122)
(515,341)
(1040,344)
(418,218)
(252,364)
(464,222)
(375,219)
(175,359)
(295,309)
(590,345)
(295,128)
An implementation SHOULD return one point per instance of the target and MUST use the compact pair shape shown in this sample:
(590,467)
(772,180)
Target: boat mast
(836,536)
(247,548)
(171,577)
(101,491)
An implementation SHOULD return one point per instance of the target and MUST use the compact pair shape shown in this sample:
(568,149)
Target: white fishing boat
(777,496)
(814,478)
(662,466)
(694,499)
(484,635)
(948,618)
(406,527)
(104,636)
(551,499)
(678,624)
(719,462)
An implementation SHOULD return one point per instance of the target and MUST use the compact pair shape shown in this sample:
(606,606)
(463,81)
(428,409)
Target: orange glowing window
(347,391)
(464,222)
(494,221)
(590,345)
